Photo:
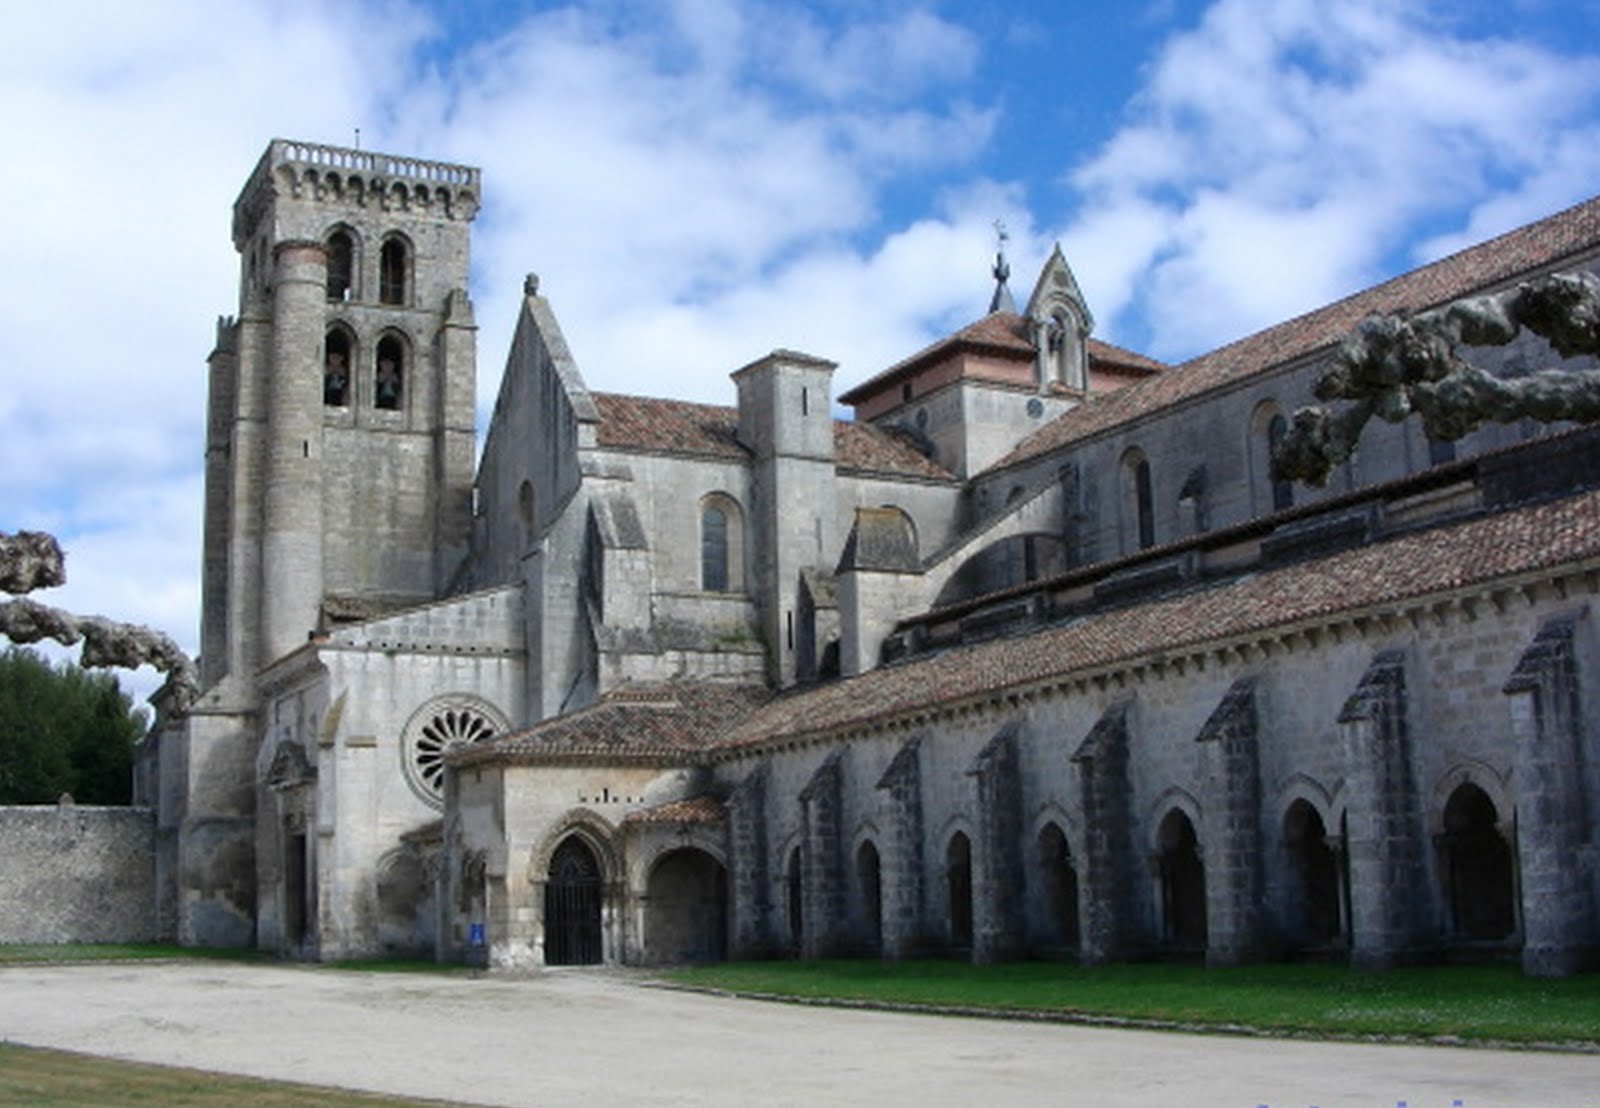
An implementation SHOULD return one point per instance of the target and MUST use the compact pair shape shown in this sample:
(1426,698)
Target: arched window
(1138,499)
(389,372)
(337,347)
(393,265)
(341,265)
(721,544)
(1282,491)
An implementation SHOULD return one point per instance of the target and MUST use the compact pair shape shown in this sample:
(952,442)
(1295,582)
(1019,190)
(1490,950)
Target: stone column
(748,883)
(291,541)
(998,888)
(1110,867)
(823,898)
(1384,821)
(1232,841)
(902,859)
(1555,866)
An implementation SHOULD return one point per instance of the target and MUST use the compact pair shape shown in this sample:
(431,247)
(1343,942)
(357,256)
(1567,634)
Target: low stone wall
(77,874)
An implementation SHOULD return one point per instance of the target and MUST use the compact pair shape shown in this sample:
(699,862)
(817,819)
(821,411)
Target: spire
(1001,301)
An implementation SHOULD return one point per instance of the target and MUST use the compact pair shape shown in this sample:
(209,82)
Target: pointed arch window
(336,350)
(1282,491)
(1138,499)
(389,374)
(393,267)
(341,265)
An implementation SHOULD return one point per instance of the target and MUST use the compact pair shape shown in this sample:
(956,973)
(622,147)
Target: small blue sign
(475,934)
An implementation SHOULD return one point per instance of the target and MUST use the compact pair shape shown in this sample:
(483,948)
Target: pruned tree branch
(1395,365)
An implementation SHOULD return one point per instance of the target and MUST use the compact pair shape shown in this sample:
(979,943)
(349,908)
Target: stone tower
(339,453)
(340,437)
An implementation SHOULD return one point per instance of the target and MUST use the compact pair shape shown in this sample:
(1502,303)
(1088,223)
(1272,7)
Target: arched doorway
(869,882)
(1314,879)
(958,886)
(794,890)
(572,906)
(686,908)
(1183,884)
(1480,888)
(1058,878)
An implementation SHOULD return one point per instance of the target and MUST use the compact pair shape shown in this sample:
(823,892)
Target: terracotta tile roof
(694,809)
(868,448)
(1478,267)
(998,332)
(668,426)
(647,423)
(1409,567)
(663,722)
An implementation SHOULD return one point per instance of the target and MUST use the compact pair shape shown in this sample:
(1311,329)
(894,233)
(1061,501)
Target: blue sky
(700,181)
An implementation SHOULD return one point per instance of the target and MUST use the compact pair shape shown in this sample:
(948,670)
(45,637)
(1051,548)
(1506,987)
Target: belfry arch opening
(341,265)
(1476,860)
(337,348)
(389,374)
(572,902)
(394,266)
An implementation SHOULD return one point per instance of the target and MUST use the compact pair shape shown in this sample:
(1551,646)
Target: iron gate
(572,907)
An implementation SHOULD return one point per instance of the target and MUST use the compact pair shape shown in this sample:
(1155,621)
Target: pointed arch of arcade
(1315,866)
(793,875)
(685,902)
(1178,853)
(1473,824)
(866,883)
(956,881)
(575,875)
(1052,858)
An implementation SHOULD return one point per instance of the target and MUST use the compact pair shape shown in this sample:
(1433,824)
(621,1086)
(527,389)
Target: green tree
(64,729)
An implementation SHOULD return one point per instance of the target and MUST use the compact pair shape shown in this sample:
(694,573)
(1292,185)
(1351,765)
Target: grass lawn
(14,953)
(29,1076)
(1483,1003)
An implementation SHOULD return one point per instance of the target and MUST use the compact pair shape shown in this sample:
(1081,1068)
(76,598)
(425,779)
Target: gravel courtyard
(599,1037)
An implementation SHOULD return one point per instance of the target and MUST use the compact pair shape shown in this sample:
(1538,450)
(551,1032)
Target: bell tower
(340,424)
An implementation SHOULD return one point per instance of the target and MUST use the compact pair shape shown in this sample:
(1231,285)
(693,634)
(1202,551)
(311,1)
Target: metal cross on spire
(1001,301)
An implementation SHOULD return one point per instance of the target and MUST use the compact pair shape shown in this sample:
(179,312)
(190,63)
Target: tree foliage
(64,729)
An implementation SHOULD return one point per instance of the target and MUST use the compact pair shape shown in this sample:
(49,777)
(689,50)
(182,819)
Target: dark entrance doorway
(1314,877)
(958,882)
(1059,882)
(572,906)
(1477,867)
(1183,885)
(869,880)
(686,910)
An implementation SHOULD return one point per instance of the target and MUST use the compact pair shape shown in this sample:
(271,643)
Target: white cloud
(1280,151)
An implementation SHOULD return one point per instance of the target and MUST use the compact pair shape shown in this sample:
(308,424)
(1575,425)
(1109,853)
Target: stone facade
(1031,658)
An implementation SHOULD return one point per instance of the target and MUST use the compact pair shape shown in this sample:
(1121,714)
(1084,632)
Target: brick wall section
(72,874)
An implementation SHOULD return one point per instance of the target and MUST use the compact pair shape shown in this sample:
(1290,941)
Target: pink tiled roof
(1539,244)
(1409,567)
(650,424)
(1005,333)
(658,722)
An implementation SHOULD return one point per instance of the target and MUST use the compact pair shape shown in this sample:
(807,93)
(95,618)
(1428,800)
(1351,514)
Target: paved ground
(600,1038)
